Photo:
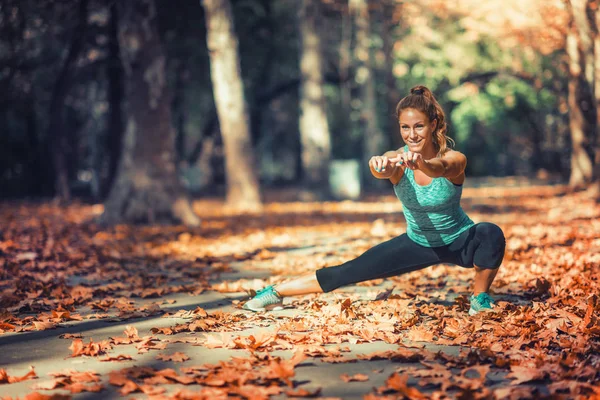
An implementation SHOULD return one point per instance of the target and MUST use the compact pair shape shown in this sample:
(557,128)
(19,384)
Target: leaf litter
(543,339)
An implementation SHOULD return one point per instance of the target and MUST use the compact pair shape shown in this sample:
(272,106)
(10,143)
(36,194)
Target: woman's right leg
(394,257)
(302,285)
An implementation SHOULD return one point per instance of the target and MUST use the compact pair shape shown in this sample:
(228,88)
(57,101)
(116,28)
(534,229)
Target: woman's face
(417,130)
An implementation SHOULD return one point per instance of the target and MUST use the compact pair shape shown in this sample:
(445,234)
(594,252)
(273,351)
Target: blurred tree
(242,176)
(390,17)
(499,68)
(314,128)
(147,188)
(56,113)
(593,16)
(363,104)
(116,84)
(581,100)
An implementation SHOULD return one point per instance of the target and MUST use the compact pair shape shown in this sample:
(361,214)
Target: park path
(144,282)
(48,353)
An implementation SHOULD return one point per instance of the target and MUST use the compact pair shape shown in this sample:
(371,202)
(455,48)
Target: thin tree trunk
(35,160)
(147,187)
(580,104)
(56,127)
(345,70)
(374,142)
(116,95)
(314,127)
(593,14)
(257,110)
(392,92)
(179,107)
(241,170)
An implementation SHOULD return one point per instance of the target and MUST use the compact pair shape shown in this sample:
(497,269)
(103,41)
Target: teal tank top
(433,213)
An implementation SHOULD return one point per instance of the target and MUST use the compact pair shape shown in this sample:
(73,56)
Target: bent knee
(488,231)
(492,244)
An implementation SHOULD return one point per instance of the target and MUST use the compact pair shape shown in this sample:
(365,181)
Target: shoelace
(262,291)
(485,300)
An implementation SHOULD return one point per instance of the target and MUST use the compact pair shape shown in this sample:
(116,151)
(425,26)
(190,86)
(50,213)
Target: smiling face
(417,131)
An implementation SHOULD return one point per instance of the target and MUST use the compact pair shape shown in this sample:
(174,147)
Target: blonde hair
(422,99)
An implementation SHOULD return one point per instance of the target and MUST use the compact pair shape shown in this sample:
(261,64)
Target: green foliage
(494,97)
(477,85)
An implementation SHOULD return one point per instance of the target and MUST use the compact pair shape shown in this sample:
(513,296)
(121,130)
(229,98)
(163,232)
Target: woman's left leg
(482,247)
(483,279)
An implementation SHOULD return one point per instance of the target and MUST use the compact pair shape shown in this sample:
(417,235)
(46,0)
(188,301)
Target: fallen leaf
(120,357)
(522,374)
(175,357)
(303,393)
(354,378)
(398,383)
(5,378)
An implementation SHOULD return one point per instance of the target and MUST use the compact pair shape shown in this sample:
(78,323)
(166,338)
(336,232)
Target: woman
(427,178)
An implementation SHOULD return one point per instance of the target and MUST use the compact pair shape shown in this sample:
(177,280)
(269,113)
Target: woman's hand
(382,165)
(410,159)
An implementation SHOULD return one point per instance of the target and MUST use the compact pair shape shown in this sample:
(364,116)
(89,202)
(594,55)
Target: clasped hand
(383,163)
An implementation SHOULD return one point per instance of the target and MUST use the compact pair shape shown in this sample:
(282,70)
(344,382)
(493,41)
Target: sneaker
(483,302)
(265,299)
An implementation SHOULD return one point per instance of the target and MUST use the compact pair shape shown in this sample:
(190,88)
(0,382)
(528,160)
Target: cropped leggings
(482,245)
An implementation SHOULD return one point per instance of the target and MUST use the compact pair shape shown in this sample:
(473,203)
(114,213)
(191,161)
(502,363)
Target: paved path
(49,353)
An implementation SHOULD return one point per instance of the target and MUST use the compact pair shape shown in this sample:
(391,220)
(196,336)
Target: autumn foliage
(59,270)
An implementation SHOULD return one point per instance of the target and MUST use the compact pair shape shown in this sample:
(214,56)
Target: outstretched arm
(450,165)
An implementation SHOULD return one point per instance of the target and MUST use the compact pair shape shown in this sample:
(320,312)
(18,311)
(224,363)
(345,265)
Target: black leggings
(482,244)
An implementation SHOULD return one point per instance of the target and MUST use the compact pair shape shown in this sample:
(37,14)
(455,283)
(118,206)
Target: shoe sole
(473,312)
(271,307)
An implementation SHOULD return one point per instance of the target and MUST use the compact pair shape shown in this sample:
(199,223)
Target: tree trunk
(392,92)
(35,160)
(240,167)
(374,142)
(265,75)
(56,126)
(314,127)
(147,188)
(116,94)
(593,14)
(345,66)
(180,109)
(581,109)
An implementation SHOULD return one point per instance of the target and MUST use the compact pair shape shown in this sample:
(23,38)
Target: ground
(155,312)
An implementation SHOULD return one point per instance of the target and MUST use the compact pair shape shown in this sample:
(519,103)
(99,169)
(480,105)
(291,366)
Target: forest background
(101,95)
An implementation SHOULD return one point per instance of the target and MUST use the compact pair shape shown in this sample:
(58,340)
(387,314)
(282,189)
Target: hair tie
(418,91)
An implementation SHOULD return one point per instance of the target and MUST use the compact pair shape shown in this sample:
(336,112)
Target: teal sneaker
(483,302)
(265,299)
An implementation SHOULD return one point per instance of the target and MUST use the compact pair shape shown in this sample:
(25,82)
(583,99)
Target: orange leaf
(120,357)
(354,378)
(43,325)
(175,357)
(303,393)
(4,378)
(117,378)
(71,336)
(39,396)
(51,384)
(129,387)
(80,387)
(76,347)
(525,374)
(398,383)
(131,332)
